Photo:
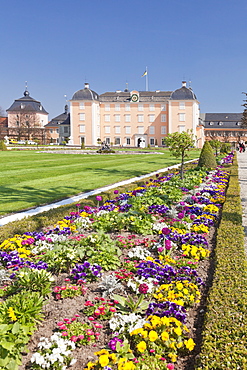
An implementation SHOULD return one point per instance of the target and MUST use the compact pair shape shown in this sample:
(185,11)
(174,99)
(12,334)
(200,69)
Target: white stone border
(77,198)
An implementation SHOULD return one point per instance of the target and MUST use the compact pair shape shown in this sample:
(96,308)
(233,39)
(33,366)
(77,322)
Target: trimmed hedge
(225,328)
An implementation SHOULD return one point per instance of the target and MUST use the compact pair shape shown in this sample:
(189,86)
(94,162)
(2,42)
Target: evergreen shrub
(207,158)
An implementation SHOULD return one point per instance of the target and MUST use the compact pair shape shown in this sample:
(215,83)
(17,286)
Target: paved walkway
(242,175)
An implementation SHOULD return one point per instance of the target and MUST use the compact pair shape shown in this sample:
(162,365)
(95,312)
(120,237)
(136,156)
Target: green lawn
(29,178)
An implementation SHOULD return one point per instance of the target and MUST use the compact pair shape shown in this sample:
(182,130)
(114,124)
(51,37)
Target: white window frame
(117,130)
(140,118)
(81,105)
(107,118)
(107,129)
(117,107)
(151,107)
(151,118)
(152,141)
(163,108)
(117,139)
(107,108)
(140,108)
(181,105)
(128,129)
(127,107)
(151,130)
(117,117)
(181,128)
(140,130)
(82,129)
(181,117)
(127,118)
(82,116)
(163,130)
(128,139)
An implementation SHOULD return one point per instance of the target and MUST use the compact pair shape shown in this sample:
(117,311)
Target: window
(128,129)
(51,131)
(151,117)
(57,130)
(151,141)
(127,107)
(151,130)
(140,130)
(181,128)
(107,117)
(163,117)
(108,140)
(117,141)
(66,130)
(163,107)
(140,118)
(117,107)
(81,105)
(211,123)
(127,117)
(107,129)
(163,130)
(82,128)
(82,140)
(181,105)
(151,107)
(17,123)
(128,140)
(117,117)
(117,129)
(107,107)
(140,107)
(82,116)
(181,117)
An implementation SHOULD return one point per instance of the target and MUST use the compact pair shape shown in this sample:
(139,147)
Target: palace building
(133,118)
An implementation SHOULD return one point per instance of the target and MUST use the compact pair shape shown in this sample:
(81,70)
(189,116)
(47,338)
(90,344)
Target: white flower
(73,361)
(38,358)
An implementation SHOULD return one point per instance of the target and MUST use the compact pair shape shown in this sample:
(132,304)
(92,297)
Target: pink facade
(132,118)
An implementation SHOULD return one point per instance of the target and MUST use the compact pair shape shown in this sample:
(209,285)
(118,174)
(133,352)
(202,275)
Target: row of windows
(126,107)
(225,134)
(117,129)
(127,117)
(127,141)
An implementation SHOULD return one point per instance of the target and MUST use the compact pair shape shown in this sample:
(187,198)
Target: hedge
(224,344)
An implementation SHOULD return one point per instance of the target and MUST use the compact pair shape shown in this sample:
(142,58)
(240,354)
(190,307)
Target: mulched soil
(55,311)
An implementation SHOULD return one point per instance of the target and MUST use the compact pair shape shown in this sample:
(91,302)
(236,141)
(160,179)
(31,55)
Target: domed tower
(184,113)
(85,116)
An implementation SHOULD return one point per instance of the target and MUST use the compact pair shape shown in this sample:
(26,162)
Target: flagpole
(146,78)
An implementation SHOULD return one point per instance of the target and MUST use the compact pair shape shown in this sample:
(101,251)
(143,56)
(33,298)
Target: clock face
(134,97)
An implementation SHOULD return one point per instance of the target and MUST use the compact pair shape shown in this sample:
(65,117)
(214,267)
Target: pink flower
(63,287)
(152,350)
(90,318)
(67,279)
(56,289)
(168,244)
(64,333)
(60,323)
(63,327)
(170,366)
(116,192)
(90,332)
(74,338)
(98,198)
(58,296)
(98,326)
(81,337)
(76,315)
(112,309)
(97,312)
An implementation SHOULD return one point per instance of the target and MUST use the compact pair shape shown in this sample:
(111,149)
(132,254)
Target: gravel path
(242,175)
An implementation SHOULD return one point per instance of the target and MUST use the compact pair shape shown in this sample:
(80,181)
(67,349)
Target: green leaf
(16,328)
(8,345)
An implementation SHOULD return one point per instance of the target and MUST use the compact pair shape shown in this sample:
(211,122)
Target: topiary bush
(3,145)
(207,158)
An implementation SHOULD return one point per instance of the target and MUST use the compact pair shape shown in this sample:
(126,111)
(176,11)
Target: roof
(144,96)
(27,104)
(61,119)
(184,93)
(222,120)
(85,94)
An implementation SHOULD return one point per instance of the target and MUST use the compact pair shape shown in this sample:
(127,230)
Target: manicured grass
(29,179)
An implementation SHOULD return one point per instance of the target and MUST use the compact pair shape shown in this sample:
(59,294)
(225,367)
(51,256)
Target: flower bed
(127,277)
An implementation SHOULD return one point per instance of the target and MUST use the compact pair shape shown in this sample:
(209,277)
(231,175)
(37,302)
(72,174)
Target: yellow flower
(141,346)
(12,314)
(178,331)
(164,336)
(189,344)
(104,360)
(101,352)
(153,335)
(90,365)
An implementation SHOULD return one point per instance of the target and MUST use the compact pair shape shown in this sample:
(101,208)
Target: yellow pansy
(141,346)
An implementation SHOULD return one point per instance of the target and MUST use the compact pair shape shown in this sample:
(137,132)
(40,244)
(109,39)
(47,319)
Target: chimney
(86,85)
(183,83)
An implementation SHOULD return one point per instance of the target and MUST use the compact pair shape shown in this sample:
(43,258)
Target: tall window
(127,117)
(181,117)
(107,129)
(151,130)
(163,117)
(107,117)
(151,141)
(128,129)
(151,117)
(140,107)
(128,140)
(163,107)
(117,107)
(117,140)
(81,105)
(117,117)
(181,105)
(140,130)
(127,107)
(107,107)
(181,128)
(82,116)
(140,118)
(117,129)
(151,107)
(82,128)
(163,130)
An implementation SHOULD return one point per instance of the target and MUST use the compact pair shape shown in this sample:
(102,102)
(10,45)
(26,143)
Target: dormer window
(211,123)
(220,123)
(22,106)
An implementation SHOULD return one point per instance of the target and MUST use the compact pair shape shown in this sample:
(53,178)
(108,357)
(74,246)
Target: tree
(244,117)
(179,144)
(215,144)
(207,158)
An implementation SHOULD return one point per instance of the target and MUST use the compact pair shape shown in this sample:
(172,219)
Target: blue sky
(58,45)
